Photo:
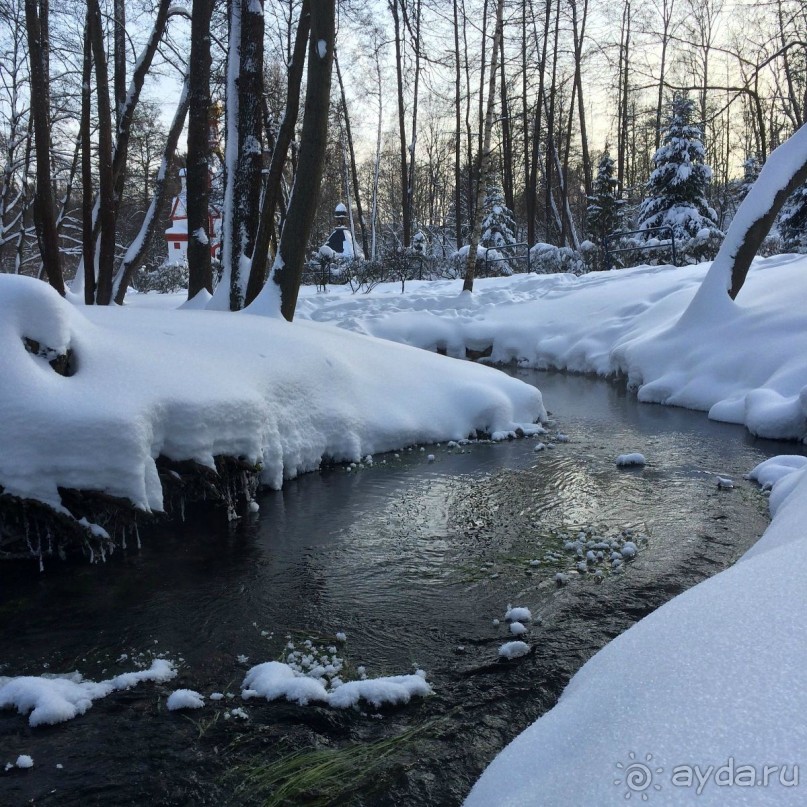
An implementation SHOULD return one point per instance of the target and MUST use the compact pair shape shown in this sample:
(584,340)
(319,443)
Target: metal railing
(508,258)
(669,244)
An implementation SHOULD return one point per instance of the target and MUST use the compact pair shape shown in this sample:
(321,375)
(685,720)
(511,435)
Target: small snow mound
(518,614)
(629,550)
(630,460)
(511,650)
(274,680)
(24,761)
(185,699)
(341,637)
(395,689)
(518,628)
(430,458)
(724,483)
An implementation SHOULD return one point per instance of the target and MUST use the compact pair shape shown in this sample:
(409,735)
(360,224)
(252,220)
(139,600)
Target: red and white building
(176,235)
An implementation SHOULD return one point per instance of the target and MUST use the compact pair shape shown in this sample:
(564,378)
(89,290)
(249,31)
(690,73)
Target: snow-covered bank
(692,703)
(193,385)
(743,364)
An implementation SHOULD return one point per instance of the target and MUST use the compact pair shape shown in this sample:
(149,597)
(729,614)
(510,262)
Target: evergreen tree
(676,190)
(751,169)
(499,225)
(793,221)
(604,208)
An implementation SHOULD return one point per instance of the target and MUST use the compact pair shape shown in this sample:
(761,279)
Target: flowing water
(412,560)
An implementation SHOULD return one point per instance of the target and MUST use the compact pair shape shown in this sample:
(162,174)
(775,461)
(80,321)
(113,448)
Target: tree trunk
(135,254)
(106,193)
(243,152)
(485,156)
(248,179)
(200,275)
(579,36)
(410,181)
(406,212)
(622,122)
(507,141)
(44,207)
(457,132)
(353,172)
(792,160)
(119,38)
(272,189)
(88,242)
(287,269)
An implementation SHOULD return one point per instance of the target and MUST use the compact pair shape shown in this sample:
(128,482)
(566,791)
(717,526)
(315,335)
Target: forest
(533,130)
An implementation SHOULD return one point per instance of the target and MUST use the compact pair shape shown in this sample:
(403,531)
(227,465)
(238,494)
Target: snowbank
(690,704)
(193,384)
(742,362)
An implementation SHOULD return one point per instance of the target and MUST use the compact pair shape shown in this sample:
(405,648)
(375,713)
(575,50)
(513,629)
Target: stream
(412,559)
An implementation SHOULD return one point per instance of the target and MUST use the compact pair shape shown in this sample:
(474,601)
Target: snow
(709,680)
(518,614)
(771,471)
(511,650)
(274,680)
(740,361)
(24,761)
(55,699)
(218,390)
(184,699)
(627,460)
(322,48)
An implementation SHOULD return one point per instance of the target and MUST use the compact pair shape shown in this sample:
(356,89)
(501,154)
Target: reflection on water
(409,558)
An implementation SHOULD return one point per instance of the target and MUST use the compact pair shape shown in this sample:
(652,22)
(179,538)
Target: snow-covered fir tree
(676,190)
(604,208)
(499,225)
(793,221)
(751,169)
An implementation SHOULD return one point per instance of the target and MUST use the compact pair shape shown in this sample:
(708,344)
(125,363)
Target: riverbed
(412,556)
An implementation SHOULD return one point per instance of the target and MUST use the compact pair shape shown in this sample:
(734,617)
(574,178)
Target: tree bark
(135,254)
(119,12)
(353,172)
(485,156)
(406,213)
(288,266)
(457,132)
(272,189)
(759,225)
(88,242)
(200,275)
(106,193)
(507,141)
(44,206)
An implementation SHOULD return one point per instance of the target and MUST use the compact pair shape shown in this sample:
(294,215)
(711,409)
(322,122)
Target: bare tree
(282,288)
(485,156)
